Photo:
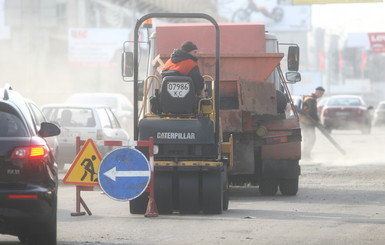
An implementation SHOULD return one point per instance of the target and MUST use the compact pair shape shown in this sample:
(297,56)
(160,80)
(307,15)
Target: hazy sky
(354,17)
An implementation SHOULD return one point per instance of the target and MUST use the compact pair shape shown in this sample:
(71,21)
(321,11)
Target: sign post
(83,172)
(125,173)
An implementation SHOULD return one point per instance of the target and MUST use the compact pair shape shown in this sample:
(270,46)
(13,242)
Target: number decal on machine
(178,89)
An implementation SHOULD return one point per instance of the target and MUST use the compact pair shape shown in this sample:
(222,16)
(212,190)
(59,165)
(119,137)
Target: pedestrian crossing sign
(85,167)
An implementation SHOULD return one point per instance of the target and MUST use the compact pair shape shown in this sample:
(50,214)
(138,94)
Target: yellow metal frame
(188,163)
(146,91)
(227,148)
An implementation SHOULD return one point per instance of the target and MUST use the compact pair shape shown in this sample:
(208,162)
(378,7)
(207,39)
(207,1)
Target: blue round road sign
(124,174)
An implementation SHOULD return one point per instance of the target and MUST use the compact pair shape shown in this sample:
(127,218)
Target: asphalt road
(341,200)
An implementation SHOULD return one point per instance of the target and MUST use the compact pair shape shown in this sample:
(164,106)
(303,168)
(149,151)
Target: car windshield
(71,117)
(11,125)
(382,106)
(94,99)
(347,101)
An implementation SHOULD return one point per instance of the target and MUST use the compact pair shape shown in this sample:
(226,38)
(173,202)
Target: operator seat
(177,95)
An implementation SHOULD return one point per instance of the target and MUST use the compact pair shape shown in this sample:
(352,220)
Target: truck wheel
(164,191)
(139,204)
(226,190)
(189,202)
(212,191)
(288,187)
(268,187)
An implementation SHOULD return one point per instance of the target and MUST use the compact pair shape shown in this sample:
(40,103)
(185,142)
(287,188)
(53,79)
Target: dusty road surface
(341,201)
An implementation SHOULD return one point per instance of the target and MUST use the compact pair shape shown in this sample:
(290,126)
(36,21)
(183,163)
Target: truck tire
(288,187)
(139,204)
(268,187)
(226,190)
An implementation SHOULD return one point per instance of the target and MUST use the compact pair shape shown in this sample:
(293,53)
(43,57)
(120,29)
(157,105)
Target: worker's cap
(188,46)
(320,88)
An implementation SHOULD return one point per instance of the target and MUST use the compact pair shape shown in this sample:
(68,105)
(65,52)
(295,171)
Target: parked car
(320,104)
(119,104)
(28,173)
(96,122)
(346,112)
(379,114)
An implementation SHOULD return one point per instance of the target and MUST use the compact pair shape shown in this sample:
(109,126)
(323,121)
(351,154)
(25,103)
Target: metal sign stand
(79,189)
(152,210)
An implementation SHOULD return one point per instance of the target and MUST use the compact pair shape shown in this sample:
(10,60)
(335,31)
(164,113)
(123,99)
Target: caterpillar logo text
(173,135)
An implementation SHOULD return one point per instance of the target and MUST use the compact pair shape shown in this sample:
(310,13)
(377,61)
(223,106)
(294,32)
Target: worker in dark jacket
(183,62)
(309,116)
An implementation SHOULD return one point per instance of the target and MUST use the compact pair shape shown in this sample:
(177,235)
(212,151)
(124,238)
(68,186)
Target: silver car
(96,122)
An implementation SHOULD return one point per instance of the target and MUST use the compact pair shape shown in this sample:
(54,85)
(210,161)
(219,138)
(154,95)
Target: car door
(110,125)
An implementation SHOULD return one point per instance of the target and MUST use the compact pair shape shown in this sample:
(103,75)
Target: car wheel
(60,165)
(366,129)
(48,235)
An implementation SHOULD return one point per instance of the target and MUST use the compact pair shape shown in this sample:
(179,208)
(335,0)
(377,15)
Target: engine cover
(177,131)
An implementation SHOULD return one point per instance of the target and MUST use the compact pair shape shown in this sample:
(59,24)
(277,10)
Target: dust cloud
(359,148)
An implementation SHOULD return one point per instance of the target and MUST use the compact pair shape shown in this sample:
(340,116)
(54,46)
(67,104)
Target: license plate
(342,113)
(178,89)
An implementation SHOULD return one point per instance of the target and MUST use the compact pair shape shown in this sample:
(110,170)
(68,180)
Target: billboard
(92,47)
(377,42)
(374,41)
(277,15)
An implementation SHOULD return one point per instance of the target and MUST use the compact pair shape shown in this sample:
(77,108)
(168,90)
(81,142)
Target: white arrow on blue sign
(124,174)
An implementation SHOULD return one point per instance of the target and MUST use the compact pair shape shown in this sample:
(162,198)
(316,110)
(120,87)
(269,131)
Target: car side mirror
(293,76)
(127,64)
(48,129)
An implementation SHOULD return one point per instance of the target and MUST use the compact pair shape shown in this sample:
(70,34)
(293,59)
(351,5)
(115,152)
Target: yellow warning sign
(84,170)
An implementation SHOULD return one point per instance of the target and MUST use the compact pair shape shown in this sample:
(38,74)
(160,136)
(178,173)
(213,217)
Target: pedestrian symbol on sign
(89,168)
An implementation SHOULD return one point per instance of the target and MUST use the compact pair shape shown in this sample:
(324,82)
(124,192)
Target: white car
(119,104)
(96,122)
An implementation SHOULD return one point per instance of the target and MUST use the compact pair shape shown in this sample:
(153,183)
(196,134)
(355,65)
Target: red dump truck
(239,134)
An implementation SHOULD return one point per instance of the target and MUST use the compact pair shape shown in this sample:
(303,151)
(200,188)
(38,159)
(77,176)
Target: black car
(28,173)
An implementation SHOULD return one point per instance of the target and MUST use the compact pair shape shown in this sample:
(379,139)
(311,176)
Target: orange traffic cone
(152,210)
